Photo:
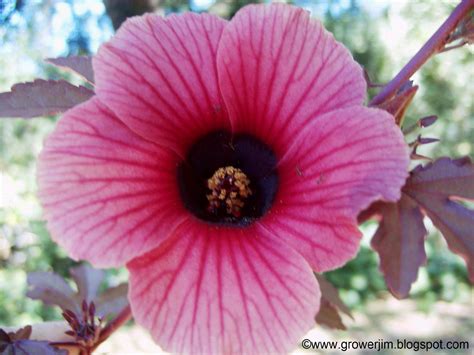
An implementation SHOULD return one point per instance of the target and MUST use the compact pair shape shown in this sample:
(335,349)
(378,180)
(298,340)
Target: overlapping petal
(279,70)
(108,195)
(159,76)
(221,290)
(335,168)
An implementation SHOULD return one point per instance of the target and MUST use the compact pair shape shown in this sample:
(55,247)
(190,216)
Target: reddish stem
(123,317)
(434,45)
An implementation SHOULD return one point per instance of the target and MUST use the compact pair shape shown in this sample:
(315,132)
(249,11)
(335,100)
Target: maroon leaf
(330,306)
(22,333)
(330,293)
(41,98)
(111,301)
(27,347)
(399,241)
(329,316)
(18,343)
(81,65)
(436,187)
(88,281)
(52,289)
(444,176)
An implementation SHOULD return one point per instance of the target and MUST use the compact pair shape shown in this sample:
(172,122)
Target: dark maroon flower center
(228,179)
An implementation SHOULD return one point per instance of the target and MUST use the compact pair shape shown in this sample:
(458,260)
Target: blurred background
(381,34)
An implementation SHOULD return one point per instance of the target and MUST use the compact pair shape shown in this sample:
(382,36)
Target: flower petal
(108,195)
(336,167)
(278,70)
(159,76)
(227,291)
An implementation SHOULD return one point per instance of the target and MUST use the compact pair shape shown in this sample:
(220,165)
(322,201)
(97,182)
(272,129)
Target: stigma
(229,188)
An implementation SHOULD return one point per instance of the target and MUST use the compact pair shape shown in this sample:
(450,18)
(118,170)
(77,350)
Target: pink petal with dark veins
(335,168)
(108,195)
(215,290)
(159,76)
(279,70)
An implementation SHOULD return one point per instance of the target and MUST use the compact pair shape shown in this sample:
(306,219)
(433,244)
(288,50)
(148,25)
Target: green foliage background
(28,34)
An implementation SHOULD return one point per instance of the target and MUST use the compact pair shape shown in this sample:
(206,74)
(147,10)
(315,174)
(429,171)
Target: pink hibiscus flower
(223,163)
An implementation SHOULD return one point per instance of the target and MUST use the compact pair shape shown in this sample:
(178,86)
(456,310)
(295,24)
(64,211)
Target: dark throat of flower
(228,179)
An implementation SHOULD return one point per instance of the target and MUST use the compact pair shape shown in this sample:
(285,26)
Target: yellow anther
(229,188)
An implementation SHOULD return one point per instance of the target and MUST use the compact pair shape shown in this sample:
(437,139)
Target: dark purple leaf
(111,301)
(52,289)
(41,98)
(436,187)
(330,306)
(330,293)
(88,281)
(399,241)
(17,343)
(329,316)
(81,65)
(30,347)
(22,333)
(444,176)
